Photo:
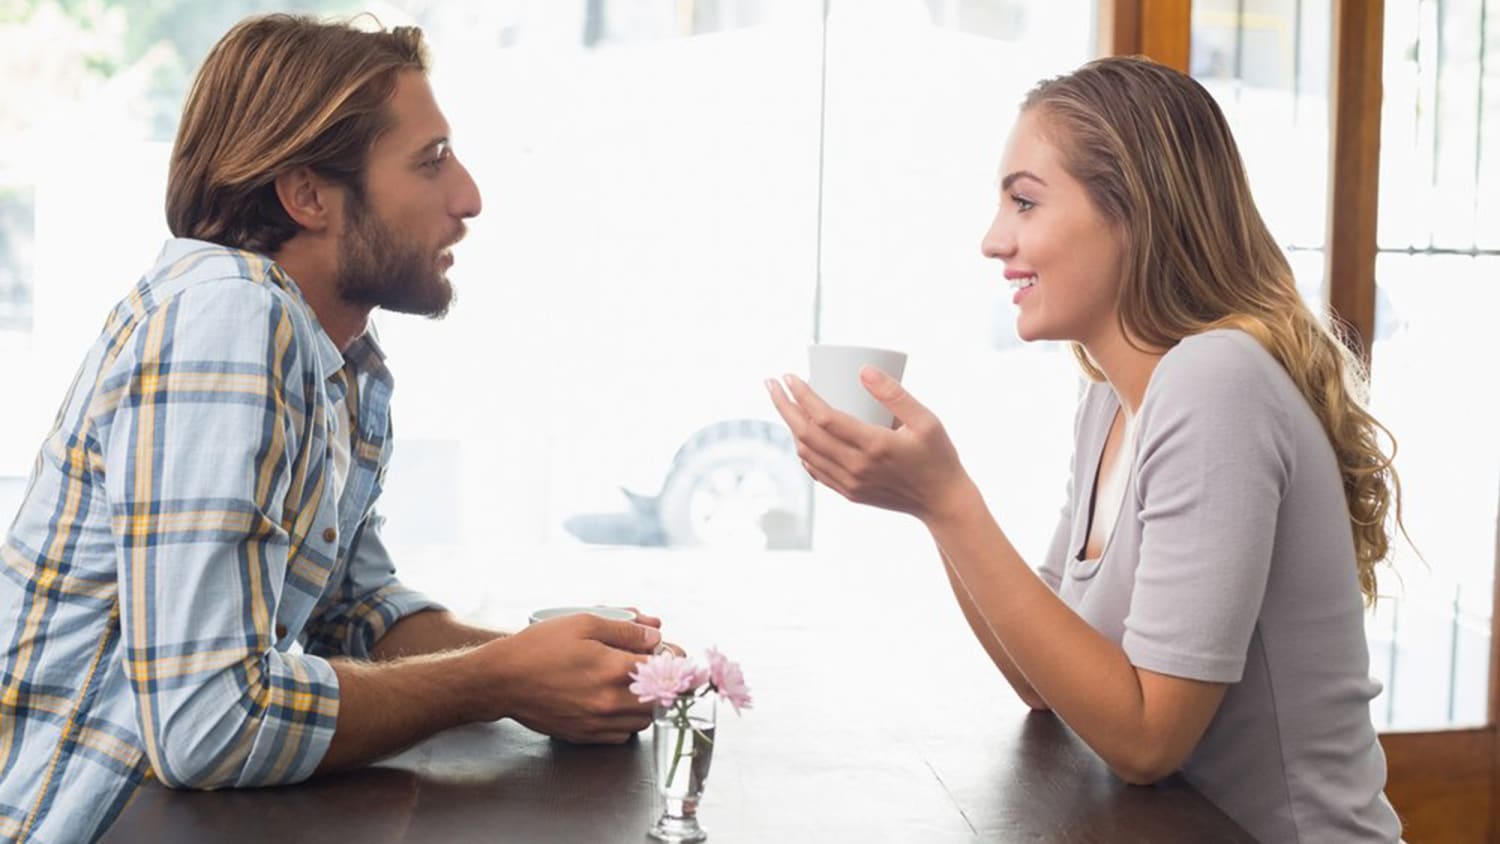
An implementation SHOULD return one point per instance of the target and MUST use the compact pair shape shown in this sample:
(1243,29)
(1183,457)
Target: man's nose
(467,202)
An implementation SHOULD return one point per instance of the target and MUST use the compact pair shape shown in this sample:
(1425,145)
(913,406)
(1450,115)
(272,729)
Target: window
(644,259)
(670,218)
(917,109)
(17,234)
(1438,271)
(678,198)
(1266,63)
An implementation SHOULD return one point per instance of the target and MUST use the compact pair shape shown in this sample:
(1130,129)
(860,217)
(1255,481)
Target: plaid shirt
(181,566)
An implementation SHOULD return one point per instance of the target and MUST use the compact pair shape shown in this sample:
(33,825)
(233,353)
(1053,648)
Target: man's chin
(429,295)
(434,304)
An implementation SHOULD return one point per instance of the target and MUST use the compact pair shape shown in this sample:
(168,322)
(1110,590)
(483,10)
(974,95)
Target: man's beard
(378,268)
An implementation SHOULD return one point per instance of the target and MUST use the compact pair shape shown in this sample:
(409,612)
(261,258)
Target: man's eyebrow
(1012,178)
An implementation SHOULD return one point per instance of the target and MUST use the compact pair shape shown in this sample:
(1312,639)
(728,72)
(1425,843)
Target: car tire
(737,483)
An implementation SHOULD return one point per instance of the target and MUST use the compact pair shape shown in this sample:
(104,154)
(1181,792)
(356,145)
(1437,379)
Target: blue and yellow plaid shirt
(181,566)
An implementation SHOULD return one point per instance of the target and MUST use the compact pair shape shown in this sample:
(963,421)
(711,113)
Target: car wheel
(737,483)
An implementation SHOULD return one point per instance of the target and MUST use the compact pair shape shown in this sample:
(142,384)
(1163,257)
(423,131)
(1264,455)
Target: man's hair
(276,93)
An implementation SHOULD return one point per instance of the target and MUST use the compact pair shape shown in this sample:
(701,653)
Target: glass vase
(683,739)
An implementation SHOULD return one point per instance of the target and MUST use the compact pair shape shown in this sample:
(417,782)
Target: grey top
(1232,561)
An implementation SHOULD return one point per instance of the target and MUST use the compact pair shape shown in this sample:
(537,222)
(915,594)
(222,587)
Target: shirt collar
(329,356)
(366,356)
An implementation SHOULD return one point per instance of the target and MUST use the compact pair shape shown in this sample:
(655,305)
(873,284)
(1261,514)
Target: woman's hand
(912,469)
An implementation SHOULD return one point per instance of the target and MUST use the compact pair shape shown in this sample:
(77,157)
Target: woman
(1200,607)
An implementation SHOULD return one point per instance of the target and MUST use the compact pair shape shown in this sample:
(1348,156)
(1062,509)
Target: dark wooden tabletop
(876,718)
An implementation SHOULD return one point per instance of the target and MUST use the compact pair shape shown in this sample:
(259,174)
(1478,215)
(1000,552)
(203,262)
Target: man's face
(395,239)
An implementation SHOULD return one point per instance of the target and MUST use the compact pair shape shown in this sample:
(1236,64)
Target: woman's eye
(1022,203)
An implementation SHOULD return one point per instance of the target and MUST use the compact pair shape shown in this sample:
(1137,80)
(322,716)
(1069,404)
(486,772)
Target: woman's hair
(1156,157)
(276,93)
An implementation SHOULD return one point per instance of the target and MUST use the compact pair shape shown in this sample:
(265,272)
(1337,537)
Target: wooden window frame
(1445,784)
(1160,29)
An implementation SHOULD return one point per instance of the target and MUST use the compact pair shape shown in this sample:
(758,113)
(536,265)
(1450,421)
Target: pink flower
(700,676)
(663,677)
(728,680)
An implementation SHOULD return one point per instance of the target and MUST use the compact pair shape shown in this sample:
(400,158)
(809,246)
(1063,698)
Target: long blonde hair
(276,93)
(1157,159)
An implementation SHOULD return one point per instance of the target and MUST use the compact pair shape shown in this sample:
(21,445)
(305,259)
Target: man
(195,588)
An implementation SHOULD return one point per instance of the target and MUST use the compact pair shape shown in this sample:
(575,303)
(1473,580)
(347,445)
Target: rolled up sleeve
(368,603)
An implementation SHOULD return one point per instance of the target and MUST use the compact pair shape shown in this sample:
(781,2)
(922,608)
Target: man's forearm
(420,680)
(387,706)
(429,632)
(564,678)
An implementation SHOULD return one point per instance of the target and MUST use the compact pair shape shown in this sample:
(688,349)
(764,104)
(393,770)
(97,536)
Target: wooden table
(876,718)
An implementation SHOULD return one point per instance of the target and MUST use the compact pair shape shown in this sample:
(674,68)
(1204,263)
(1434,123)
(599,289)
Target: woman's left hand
(912,469)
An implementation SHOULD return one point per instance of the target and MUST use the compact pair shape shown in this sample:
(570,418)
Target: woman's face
(1062,258)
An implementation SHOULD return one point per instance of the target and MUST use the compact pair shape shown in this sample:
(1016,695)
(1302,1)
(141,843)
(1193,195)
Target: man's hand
(653,621)
(567,677)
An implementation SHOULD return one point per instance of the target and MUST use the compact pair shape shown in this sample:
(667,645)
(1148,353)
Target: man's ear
(307,198)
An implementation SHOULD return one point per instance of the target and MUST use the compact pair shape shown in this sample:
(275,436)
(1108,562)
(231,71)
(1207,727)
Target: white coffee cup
(611,613)
(833,373)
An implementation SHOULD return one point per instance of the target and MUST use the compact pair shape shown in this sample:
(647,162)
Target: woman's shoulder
(1224,362)
(1223,373)
(1222,397)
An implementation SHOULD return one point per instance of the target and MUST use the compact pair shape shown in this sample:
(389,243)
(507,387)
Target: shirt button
(330,534)
(281,631)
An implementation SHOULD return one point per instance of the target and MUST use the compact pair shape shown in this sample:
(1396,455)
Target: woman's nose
(997,241)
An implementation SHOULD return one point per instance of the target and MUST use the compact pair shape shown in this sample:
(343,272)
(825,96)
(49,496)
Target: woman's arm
(1143,724)
(991,643)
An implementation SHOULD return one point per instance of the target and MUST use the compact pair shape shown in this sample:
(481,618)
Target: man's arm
(434,631)
(369,602)
(566,678)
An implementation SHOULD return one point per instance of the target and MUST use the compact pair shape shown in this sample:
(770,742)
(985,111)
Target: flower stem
(682,731)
